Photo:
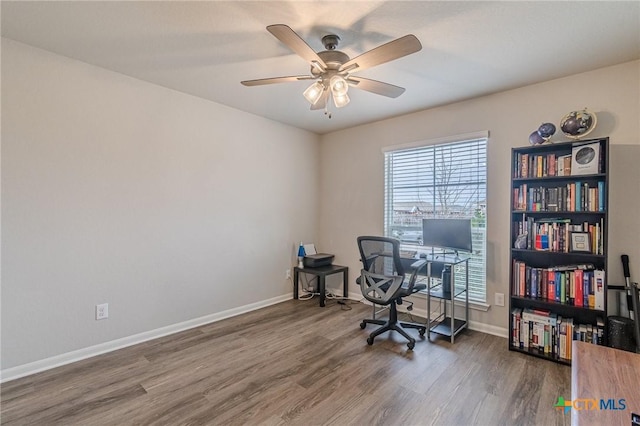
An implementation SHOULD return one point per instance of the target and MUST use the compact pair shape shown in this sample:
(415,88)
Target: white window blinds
(441,180)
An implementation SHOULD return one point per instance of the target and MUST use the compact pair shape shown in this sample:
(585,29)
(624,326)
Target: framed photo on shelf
(580,242)
(585,159)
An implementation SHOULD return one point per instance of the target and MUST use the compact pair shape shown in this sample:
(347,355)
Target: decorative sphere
(536,139)
(546,130)
(571,126)
(578,123)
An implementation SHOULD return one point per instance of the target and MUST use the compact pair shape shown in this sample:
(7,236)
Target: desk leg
(429,301)
(453,303)
(321,289)
(345,283)
(295,284)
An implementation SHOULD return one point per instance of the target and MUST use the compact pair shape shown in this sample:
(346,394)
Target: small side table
(322,272)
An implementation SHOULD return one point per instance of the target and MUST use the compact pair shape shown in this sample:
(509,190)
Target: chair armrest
(415,268)
(417,265)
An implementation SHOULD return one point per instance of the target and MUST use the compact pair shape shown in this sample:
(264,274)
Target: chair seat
(416,288)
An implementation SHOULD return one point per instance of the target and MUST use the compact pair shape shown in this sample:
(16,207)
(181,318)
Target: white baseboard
(91,351)
(489,329)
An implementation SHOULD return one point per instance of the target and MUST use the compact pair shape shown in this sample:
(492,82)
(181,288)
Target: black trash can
(621,333)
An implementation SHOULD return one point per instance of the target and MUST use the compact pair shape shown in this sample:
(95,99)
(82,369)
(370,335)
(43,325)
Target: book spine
(601,196)
(579,297)
(599,289)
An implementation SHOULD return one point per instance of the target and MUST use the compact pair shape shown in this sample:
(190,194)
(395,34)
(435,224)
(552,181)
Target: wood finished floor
(295,363)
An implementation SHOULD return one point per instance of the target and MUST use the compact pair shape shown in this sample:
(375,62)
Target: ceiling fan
(332,69)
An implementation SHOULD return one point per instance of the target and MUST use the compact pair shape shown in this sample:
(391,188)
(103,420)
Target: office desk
(443,324)
(321,273)
(602,373)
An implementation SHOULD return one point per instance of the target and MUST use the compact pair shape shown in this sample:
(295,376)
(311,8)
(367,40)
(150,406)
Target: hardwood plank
(294,363)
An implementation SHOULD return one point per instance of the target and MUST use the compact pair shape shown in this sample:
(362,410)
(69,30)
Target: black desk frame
(322,272)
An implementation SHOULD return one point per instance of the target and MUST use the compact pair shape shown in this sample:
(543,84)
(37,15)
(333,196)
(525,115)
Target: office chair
(383,282)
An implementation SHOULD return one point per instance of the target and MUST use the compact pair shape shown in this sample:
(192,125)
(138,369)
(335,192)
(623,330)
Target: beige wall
(172,208)
(352,179)
(166,206)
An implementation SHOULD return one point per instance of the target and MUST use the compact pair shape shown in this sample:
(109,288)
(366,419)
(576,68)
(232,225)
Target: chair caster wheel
(363,325)
(411,344)
(369,341)
(422,331)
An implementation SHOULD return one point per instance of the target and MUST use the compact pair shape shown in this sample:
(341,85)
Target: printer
(312,259)
(317,260)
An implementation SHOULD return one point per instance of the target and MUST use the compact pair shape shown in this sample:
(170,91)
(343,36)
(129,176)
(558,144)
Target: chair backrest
(380,255)
(382,272)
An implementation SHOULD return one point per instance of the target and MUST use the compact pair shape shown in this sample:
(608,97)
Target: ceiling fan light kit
(331,69)
(314,92)
(341,100)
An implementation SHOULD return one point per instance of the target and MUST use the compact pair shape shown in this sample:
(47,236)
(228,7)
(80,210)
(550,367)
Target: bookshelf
(557,281)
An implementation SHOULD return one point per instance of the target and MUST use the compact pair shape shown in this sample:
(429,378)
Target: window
(439,180)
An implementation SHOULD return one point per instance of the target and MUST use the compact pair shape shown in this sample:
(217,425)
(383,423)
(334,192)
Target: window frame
(477,294)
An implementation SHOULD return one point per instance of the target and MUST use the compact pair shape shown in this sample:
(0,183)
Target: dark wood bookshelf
(577,255)
(552,304)
(559,178)
(557,212)
(537,191)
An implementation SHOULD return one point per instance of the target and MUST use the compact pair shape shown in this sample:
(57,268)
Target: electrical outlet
(102,311)
(287,274)
(499,299)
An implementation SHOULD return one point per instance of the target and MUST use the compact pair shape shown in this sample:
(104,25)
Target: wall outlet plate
(102,311)
(499,301)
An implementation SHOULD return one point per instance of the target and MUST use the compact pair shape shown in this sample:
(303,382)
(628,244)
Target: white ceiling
(206,48)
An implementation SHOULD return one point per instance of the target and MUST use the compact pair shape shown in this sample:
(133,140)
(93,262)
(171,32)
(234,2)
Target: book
(598,277)
(600,196)
(579,295)
(515,329)
(567,165)
(563,339)
(542,317)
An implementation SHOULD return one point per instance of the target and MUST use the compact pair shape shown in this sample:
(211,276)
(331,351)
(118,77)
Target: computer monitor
(452,234)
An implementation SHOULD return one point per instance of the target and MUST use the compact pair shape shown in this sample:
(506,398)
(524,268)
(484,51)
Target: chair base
(393,324)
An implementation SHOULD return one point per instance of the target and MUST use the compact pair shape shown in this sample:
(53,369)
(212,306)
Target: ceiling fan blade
(322,102)
(395,49)
(263,81)
(377,87)
(292,40)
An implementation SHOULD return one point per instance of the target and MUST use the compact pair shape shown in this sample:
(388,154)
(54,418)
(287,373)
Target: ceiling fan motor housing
(333,58)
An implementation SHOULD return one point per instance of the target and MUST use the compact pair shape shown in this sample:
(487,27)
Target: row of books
(555,235)
(584,159)
(575,196)
(541,165)
(549,334)
(577,285)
